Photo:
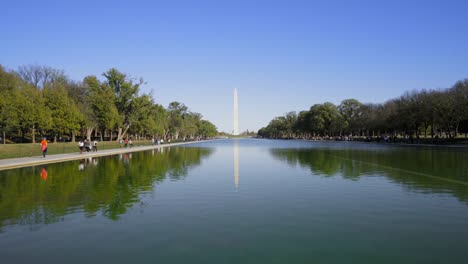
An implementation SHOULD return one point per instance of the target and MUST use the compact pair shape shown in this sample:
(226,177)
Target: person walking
(95,146)
(44,147)
(81,145)
(87,145)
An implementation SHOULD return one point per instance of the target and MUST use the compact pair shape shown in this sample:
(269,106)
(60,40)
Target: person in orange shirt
(44,147)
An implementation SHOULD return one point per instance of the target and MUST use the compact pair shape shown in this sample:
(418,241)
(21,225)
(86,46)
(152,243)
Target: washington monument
(236,114)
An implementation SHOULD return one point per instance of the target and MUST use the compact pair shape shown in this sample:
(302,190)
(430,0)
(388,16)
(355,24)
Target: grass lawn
(8,151)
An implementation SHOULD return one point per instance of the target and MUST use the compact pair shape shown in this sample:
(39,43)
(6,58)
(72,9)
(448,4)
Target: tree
(65,116)
(189,125)
(160,121)
(40,76)
(350,110)
(27,111)
(125,92)
(207,129)
(325,119)
(303,124)
(9,82)
(459,93)
(177,111)
(290,119)
(375,118)
(100,105)
(140,117)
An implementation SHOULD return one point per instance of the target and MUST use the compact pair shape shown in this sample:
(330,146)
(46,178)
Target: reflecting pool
(241,201)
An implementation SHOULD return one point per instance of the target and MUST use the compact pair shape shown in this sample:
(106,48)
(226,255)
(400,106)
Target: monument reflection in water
(236,164)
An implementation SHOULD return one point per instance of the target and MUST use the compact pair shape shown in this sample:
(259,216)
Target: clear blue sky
(281,55)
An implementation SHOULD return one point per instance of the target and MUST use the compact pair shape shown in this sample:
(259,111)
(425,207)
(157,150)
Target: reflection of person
(126,157)
(81,165)
(44,174)
(44,147)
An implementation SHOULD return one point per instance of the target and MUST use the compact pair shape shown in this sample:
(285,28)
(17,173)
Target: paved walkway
(38,160)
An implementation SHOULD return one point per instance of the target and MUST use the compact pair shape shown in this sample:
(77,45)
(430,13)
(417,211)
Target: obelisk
(236,114)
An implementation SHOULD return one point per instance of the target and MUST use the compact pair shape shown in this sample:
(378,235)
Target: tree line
(41,101)
(433,113)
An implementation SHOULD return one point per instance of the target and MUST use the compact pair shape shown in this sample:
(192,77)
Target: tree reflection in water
(425,169)
(109,185)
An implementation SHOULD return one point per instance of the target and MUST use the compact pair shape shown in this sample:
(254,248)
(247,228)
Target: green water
(241,201)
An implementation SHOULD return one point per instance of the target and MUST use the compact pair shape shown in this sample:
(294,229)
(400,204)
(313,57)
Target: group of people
(87,146)
(83,145)
(156,141)
(127,142)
